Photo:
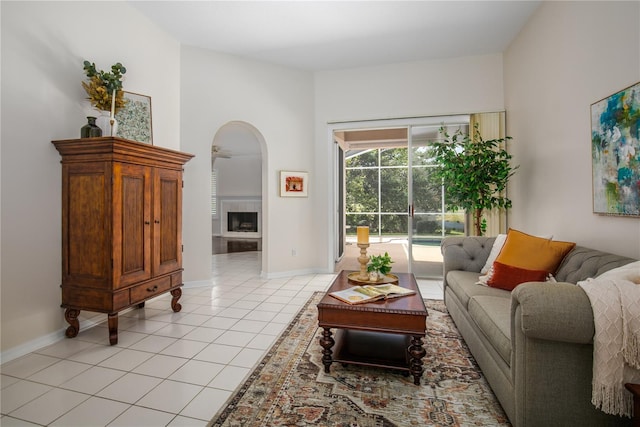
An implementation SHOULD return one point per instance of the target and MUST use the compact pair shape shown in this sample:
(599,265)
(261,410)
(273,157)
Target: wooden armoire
(121,226)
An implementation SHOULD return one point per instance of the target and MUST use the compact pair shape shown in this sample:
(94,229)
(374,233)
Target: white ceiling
(327,35)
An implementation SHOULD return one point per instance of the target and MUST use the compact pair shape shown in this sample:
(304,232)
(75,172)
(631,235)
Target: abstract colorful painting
(615,149)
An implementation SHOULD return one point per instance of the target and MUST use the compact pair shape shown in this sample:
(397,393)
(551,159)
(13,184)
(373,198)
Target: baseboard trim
(196,284)
(291,273)
(40,342)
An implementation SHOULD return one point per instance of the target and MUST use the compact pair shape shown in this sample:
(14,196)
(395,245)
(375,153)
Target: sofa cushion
(495,251)
(507,277)
(533,253)
(463,285)
(493,316)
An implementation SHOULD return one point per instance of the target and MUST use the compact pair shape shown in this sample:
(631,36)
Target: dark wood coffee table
(385,334)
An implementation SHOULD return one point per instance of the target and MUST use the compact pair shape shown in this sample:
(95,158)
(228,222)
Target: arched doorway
(238,186)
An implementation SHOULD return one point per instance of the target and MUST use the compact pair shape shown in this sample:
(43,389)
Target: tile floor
(168,369)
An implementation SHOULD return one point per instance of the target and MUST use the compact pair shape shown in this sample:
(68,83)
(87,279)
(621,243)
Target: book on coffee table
(370,293)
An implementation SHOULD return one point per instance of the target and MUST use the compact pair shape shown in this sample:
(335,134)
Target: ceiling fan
(218,152)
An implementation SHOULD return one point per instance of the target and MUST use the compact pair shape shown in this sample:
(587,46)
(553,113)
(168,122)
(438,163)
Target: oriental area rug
(289,386)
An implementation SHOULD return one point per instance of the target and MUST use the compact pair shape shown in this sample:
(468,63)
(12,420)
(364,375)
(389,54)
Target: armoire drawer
(150,289)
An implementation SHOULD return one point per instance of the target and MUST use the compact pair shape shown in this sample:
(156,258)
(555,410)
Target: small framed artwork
(615,151)
(294,184)
(134,119)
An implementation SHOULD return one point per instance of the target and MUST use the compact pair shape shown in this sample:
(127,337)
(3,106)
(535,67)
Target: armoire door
(167,221)
(131,224)
(86,225)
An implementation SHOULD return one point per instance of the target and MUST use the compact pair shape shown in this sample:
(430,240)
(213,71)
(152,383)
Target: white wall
(569,55)
(278,103)
(43,48)
(428,88)
(240,176)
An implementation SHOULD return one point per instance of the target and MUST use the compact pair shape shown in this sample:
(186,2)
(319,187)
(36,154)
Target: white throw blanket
(615,300)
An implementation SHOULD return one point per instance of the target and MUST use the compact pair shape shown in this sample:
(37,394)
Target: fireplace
(242,222)
(241,218)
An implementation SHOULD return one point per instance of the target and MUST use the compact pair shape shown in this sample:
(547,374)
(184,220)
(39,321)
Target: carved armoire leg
(327,341)
(417,352)
(112,321)
(71,316)
(176,293)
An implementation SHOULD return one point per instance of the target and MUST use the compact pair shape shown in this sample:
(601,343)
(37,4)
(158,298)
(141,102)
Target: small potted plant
(379,266)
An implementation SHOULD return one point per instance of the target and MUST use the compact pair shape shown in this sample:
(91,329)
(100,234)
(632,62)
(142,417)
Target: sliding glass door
(429,221)
(385,179)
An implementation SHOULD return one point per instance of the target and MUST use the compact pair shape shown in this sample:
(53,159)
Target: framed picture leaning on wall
(134,119)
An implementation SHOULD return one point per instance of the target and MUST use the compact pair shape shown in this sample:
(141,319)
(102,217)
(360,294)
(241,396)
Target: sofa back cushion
(582,263)
(466,253)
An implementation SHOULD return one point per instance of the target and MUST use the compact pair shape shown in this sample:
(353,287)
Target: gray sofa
(534,345)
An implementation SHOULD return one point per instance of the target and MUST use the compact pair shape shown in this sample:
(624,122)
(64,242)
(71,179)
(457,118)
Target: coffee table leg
(327,342)
(417,352)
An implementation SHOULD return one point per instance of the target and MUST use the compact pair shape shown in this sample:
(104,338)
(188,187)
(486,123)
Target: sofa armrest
(466,253)
(552,356)
(553,311)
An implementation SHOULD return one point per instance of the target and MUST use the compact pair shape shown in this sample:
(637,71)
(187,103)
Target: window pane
(393,157)
(427,196)
(393,190)
(427,225)
(354,220)
(430,225)
(362,190)
(421,138)
(361,158)
(454,223)
(422,156)
(395,224)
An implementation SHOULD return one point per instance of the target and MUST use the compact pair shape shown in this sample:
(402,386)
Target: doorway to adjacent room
(237,187)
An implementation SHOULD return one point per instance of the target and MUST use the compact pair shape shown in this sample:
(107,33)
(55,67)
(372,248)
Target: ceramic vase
(374,276)
(104,122)
(90,130)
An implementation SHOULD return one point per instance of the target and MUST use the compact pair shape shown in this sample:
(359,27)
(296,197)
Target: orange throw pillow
(508,277)
(533,253)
